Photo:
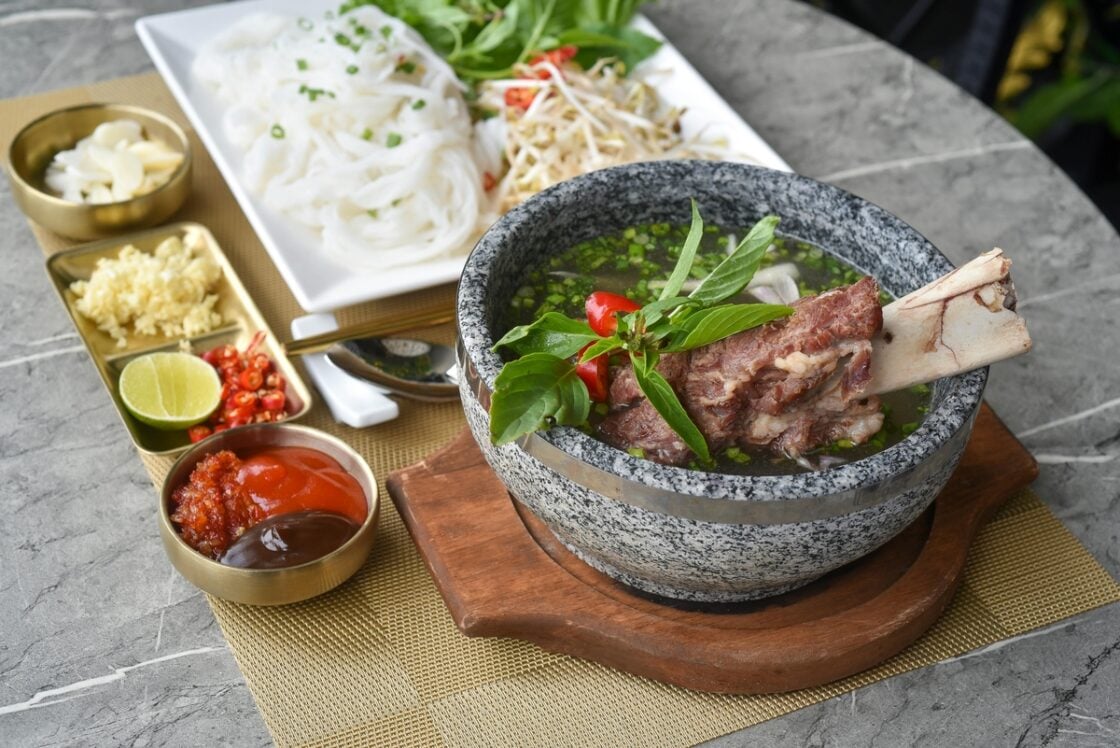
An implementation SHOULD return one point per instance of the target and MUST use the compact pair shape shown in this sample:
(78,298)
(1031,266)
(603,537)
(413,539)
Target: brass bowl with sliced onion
(37,144)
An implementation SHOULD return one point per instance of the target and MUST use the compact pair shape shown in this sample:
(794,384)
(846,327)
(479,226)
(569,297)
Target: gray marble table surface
(102,643)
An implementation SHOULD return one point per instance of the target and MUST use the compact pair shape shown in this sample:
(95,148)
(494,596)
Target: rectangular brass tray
(241,320)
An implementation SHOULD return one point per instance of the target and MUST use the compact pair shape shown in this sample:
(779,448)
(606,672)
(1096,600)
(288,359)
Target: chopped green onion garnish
(737,455)
(352,69)
(305,24)
(408,67)
(342,39)
(372,212)
(386,31)
(314,93)
(277,132)
(301,64)
(419,104)
(636,452)
(367,134)
(393,140)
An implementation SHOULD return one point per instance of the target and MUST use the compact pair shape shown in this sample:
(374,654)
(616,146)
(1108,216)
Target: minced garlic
(166,292)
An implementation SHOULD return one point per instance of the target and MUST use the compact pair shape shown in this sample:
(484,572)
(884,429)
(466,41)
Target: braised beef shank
(794,384)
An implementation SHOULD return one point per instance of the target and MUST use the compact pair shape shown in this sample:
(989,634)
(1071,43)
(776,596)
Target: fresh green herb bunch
(542,389)
(484,39)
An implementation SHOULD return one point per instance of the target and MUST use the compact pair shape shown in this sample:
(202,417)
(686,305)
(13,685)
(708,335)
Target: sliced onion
(768,276)
(787,289)
(803,462)
(765,294)
(829,461)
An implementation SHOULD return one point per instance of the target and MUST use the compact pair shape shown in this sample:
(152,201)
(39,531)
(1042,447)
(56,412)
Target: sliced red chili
(251,379)
(557,57)
(226,354)
(238,416)
(273,400)
(199,432)
(520,98)
(602,306)
(245,399)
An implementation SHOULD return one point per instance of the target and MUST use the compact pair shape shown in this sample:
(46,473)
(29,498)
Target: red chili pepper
(273,400)
(245,399)
(557,57)
(199,432)
(602,306)
(250,379)
(594,375)
(258,338)
(243,375)
(237,416)
(488,181)
(520,98)
(226,354)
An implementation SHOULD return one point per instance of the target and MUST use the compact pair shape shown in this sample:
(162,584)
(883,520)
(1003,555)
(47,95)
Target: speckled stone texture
(677,552)
(85,587)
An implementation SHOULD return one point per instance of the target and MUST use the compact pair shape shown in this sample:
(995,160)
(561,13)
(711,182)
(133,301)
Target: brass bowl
(269,586)
(38,142)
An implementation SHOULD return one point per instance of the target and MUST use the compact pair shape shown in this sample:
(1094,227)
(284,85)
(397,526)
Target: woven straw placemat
(379,662)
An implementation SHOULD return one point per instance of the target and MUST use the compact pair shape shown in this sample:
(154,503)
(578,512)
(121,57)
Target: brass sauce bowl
(269,586)
(36,145)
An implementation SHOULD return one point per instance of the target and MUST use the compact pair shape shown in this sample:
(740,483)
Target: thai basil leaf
(598,40)
(653,312)
(535,392)
(733,274)
(716,323)
(600,347)
(688,255)
(553,333)
(661,396)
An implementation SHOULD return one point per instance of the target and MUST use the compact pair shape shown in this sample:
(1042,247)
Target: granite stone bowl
(682,533)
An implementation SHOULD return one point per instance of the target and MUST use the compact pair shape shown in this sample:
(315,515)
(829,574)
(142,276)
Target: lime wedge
(170,391)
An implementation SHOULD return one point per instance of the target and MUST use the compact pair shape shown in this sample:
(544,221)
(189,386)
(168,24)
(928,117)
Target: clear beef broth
(636,262)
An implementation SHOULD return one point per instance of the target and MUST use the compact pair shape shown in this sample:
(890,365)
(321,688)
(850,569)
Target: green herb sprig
(541,388)
(483,39)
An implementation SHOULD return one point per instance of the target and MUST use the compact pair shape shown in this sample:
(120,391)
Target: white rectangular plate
(319,283)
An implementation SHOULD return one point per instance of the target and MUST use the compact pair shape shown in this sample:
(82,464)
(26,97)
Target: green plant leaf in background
(1091,99)
(1060,38)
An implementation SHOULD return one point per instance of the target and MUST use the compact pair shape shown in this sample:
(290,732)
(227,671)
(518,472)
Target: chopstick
(390,325)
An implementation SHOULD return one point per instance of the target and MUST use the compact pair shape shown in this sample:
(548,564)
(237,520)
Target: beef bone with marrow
(962,321)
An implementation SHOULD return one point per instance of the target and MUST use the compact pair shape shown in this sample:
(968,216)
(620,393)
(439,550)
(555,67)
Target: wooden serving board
(502,573)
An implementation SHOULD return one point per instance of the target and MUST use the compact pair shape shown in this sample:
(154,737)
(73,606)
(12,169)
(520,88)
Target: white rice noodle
(383,179)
